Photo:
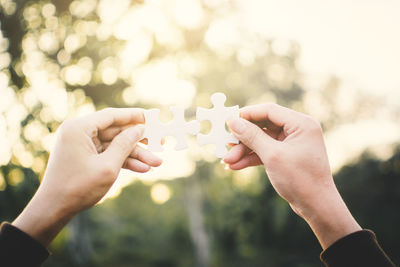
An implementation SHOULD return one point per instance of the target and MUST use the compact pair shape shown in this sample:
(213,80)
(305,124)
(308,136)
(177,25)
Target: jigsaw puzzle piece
(219,141)
(193,128)
(153,130)
(218,116)
(218,99)
(178,127)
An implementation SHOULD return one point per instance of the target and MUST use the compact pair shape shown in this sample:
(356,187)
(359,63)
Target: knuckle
(274,156)
(252,136)
(313,125)
(108,170)
(68,127)
(122,140)
(136,153)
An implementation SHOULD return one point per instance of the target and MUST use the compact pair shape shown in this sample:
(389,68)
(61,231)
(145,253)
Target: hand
(85,162)
(291,147)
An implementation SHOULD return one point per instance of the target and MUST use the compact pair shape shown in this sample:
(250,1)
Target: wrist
(44,217)
(328,217)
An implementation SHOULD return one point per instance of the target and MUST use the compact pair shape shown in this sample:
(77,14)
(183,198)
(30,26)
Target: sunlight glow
(130,49)
(109,75)
(347,142)
(15,176)
(160,193)
(5,151)
(245,177)
(35,131)
(175,163)
(188,13)
(110,11)
(167,88)
(222,36)
(48,42)
(135,52)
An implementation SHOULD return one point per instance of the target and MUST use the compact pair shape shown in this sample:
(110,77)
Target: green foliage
(246,223)
(246,229)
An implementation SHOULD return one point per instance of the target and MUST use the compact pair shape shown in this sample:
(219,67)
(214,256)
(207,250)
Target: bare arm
(291,147)
(85,162)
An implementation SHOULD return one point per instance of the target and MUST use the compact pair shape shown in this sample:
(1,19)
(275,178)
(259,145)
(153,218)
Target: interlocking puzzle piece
(178,127)
(218,115)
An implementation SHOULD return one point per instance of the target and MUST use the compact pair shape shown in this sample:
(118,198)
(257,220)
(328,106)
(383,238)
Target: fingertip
(235,154)
(156,162)
(235,167)
(136,166)
(228,158)
(143,170)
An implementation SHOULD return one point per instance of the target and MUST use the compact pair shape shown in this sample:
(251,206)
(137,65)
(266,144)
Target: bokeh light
(160,193)
(64,59)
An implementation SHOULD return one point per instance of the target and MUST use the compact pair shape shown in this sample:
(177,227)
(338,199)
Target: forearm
(329,218)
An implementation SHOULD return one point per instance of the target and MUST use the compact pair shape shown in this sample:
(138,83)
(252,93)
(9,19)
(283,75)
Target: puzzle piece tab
(218,115)
(178,127)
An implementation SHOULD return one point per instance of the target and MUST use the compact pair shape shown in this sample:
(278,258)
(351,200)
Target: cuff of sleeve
(20,247)
(356,249)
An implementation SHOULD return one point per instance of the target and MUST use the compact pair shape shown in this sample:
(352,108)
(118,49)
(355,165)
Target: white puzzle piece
(178,127)
(218,115)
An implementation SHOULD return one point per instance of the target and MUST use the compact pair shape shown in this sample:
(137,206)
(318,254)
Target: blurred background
(338,61)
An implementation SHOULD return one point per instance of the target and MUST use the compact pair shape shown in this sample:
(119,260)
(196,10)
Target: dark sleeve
(19,249)
(357,249)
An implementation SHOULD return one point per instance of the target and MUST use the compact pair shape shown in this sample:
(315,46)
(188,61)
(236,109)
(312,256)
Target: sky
(357,40)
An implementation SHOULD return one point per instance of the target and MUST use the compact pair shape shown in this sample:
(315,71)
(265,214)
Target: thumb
(252,136)
(123,144)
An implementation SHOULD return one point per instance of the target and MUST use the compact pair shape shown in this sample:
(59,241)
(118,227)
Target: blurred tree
(61,59)
(250,225)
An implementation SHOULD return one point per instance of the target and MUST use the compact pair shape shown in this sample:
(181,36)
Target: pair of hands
(90,151)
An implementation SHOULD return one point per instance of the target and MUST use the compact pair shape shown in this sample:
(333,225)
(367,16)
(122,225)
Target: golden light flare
(167,89)
(109,75)
(189,14)
(73,42)
(245,177)
(8,7)
(35,131)
(81,8)
(48,42)
(45,84)
(5,60)
(48,10)
(160,193)
(130,44)
(15,176)
(222,36)
(110,11)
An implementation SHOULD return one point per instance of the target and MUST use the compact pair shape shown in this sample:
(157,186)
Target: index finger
(116,116)
(274,113)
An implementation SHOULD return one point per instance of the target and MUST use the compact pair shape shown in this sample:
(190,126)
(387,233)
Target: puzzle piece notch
(218,116)
(178,127)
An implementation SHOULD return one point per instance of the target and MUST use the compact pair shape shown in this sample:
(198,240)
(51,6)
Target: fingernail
(237,125)
(136,132)
(223,160)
